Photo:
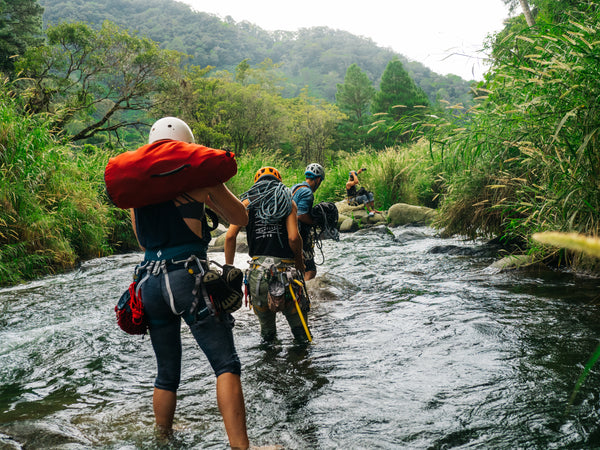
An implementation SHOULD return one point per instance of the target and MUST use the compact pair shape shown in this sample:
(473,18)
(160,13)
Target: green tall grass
(400,174)
(526,158)
(52,210)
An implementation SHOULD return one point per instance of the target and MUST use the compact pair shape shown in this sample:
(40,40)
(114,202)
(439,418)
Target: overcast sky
(444,35)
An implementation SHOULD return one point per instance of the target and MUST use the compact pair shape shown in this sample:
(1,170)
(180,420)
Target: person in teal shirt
(303,196)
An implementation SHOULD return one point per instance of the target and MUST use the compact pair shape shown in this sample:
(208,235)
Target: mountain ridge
(316,57)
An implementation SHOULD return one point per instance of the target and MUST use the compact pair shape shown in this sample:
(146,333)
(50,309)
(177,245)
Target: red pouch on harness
(130,312)
(158,172)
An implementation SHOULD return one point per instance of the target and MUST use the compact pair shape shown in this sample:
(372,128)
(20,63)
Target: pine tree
(20,28)
(398,92)
(354,96)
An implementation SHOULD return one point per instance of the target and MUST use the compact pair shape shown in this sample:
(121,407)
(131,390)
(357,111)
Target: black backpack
(325,215)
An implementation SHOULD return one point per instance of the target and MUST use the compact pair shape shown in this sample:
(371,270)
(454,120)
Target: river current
(413,348)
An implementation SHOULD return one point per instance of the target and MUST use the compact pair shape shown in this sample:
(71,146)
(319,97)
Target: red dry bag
(161,171)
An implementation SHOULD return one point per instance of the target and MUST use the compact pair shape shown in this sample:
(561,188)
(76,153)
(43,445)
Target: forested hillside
(315,57)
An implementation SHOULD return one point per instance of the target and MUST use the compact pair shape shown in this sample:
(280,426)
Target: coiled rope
(271,199)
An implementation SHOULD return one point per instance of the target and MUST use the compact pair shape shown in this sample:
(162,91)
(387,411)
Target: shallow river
(413,348)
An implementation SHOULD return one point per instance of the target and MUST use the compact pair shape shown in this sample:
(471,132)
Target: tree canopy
(316,58)
(89,80)
(397,91)
(20,28)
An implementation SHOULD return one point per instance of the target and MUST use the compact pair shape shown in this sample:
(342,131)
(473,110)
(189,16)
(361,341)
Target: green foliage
(253,117)
(525,159)
(397,91)
(397,98)
(250,114)
(88,80)
(312,124)
(394,175)
(20,28)
(353,98)
(52,207)
(314,57)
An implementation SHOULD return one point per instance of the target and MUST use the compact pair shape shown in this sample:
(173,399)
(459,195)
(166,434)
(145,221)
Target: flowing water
(413,348)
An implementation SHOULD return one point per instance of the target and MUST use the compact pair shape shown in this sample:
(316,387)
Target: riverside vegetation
(524,159)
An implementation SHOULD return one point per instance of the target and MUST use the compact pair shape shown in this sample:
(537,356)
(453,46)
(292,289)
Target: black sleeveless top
(160,226)
(266,239)
(351,192)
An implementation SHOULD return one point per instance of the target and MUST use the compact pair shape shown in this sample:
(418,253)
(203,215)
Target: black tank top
(160,226)
(265,239)
(351,192)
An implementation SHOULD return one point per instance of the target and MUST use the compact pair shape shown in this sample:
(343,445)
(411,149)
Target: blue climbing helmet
(315,170)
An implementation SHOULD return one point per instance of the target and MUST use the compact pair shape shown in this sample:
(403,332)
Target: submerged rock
(516,262)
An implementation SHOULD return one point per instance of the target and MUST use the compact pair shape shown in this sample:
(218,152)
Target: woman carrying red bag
(175,236)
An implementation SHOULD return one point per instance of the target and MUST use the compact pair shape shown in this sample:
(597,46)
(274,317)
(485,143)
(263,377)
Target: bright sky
(445,35)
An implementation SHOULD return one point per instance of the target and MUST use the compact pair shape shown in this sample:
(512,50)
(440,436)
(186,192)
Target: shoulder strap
(298,187)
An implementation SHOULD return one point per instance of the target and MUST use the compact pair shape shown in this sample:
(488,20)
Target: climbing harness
(281,278)
(267,268)
(214,293)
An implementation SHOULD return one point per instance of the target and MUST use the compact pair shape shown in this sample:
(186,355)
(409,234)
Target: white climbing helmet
(315,170)
(170,128)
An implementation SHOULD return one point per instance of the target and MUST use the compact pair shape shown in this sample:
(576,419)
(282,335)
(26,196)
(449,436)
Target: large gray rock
(348,225)
(221,229)
(349,211)
(218,244)
(403,214)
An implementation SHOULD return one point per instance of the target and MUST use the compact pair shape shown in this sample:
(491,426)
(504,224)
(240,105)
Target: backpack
(163,170)
(325,215)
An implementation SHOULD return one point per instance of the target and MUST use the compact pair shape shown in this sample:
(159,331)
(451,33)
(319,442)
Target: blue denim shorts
(361,199)
(213,334)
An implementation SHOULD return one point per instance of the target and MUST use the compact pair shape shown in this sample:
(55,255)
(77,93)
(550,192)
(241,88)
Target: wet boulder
(348,225)
(377,229)
(514,262)
(403,214)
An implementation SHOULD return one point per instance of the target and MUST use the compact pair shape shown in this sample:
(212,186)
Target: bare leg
(230,399)
(164,403)
(309,275)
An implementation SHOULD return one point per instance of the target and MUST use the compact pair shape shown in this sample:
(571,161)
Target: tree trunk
(527,13)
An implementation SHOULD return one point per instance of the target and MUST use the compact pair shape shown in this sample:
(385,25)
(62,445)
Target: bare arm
(227,205)
(231,240)
(294,238)
(230,243)
(354,181)
(222,201)
(306,218)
